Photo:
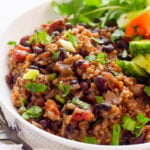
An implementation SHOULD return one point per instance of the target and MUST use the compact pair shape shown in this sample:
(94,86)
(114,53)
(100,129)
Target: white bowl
(37,138)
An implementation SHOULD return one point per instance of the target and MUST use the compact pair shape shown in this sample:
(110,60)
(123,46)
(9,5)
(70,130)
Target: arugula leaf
(34,87)
(33,112)
(55,54)
(12,43)
(40,36)
(101,58)
(116,134)
(147,90)
(90,140)
(64,88)
(117,35)
(99,99)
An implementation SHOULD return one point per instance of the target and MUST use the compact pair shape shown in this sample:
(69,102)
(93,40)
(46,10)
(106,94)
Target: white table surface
(10,9)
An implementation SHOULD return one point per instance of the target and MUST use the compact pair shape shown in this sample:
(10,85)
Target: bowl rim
(55,138)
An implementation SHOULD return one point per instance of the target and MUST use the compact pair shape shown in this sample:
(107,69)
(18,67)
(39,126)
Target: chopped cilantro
(90,140)
(12,43)
(99,99)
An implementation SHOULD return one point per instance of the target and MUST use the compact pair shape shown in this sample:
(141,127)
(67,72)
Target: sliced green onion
(34,87)
(59,98)
(67,45)
(33,112)
(52,76)
(90,58)
(64,88)
(90,140)
(116,134)
(31,74)
(99,99)
(80,103)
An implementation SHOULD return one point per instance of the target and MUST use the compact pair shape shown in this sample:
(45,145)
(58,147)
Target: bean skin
(100,82)
(63,54)
(25,41)
(108,48)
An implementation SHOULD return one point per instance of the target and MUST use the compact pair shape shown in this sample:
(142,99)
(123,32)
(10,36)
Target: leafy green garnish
(72,38)
(99,99)
(115,73)
(52,76)
(117,35)
(23,102)
(80,103)
(101,58)
(90,58)
(128,123)
(90,140)
(34,87)
(33,112)
(73,7)
(55,54)
(116,134)
(59,98)
(90,10)
(147,90)
(64,88)
(31,74)
(12,43)
(40,36)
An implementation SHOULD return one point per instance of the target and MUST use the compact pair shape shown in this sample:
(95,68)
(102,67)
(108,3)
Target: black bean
(84,25)
(84,86)
(105,106)
(54,125)
(97,111)
(72,82)
(50,68)
(100,82)
(63,54)
(9,79)
(25,41)
(55,33)
(34,67)
(78,63)
(126,136)
(121,56)
(84,53)
(44,123)
(69,112)
(140,139)
(69,26)
(108,48)
(105,40)
(38,50)
(121,44)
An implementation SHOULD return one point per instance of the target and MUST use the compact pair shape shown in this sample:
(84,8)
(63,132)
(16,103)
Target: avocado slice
(131,69)
(139,47)
(142,62)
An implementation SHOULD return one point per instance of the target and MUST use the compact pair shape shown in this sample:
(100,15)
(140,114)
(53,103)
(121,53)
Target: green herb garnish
(33,112)
(147,90)
(64,88)
(34,87)
(87,11)
(99,99)
(52,76)
(98,40)
(23,102)
(12,43)
(116,134)
(55,54)
(101,58)
(80,103)
(90,140)
(59,98)
(40,36)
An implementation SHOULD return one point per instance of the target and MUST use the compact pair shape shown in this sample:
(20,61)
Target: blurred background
(10,9)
